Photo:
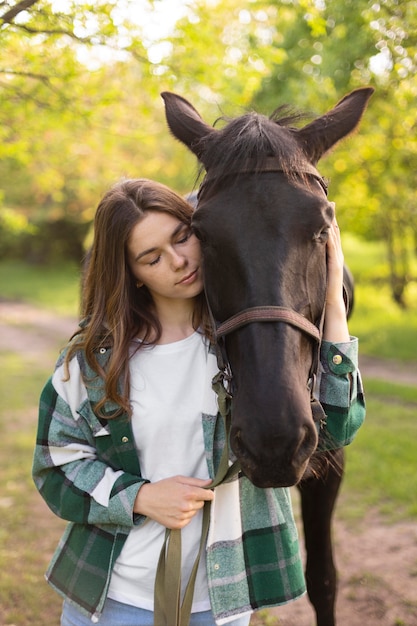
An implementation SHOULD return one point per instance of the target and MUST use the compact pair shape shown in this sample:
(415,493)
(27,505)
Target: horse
(262,216)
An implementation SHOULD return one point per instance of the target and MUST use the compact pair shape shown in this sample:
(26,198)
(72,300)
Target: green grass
(55,288)
(27,534)
(367,261)
(381,462)
(392,392)
(384,329)
(19,388)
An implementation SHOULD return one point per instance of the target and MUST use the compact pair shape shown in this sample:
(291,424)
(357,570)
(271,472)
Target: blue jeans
(118,614)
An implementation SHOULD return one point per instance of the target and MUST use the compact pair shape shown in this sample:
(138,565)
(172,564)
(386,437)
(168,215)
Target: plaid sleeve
(340,392)
(77,480)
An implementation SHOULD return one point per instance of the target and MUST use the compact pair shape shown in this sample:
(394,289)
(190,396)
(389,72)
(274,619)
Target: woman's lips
(190,278)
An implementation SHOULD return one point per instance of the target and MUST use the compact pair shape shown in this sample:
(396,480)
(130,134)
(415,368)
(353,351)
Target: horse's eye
(322,236)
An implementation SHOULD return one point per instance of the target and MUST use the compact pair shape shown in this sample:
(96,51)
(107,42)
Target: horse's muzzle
(280,463)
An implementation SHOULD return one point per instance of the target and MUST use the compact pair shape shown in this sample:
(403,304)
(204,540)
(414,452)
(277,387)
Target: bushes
(14,229)
(41,242)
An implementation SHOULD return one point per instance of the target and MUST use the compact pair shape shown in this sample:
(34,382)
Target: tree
(80,105)
(69,126)
(63,124)
(333,47)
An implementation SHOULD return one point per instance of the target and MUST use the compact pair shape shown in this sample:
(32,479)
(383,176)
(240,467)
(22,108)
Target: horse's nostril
(306,446)
(237,445)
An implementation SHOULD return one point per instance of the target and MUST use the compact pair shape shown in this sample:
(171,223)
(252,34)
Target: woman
(125,425)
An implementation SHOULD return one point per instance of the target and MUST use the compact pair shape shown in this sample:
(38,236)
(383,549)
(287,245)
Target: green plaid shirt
(87,470)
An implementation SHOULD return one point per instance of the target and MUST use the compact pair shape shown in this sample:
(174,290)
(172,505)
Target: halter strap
(268,314)
(272,314)
(269,164)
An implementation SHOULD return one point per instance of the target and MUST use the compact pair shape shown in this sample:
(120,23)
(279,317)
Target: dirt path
(377,563)
(392,370)
(24,327)
(377,568)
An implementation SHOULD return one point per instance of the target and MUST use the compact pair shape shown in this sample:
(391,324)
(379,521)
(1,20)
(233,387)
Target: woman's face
(165,255)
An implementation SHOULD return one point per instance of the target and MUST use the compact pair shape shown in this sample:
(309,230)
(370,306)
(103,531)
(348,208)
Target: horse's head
(262,218)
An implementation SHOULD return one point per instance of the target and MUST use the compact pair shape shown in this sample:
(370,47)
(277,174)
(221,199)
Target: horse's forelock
(254,137)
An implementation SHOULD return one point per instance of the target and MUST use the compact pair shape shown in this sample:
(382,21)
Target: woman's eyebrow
(144,253)
(174,233)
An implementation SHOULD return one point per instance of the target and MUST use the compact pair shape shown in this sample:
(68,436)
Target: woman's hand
(173,502)
(335,323)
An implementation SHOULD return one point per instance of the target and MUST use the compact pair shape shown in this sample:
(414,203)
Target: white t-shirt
(168,385)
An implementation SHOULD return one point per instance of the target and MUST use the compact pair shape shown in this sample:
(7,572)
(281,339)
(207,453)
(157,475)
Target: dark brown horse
(262,218)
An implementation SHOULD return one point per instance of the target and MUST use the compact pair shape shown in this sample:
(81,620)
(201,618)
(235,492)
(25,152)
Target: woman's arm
(75,483)
(339,385)
(77,469)
(335,322)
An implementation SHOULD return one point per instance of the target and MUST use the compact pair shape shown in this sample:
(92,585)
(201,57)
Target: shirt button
(125,439)
(102,350)
(337,359)
(217,566)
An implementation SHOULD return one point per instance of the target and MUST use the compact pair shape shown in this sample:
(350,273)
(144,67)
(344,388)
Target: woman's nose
(178,260)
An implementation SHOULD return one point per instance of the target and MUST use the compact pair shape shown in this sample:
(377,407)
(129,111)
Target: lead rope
(168,610)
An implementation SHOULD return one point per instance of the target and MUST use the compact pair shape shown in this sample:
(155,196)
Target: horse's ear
(185,122)
(325,131)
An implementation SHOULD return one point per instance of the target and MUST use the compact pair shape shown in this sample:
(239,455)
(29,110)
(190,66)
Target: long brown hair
(115,310)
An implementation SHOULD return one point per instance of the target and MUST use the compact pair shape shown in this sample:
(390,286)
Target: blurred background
(80,107)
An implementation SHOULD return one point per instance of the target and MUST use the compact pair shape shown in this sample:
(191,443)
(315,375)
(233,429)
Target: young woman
(128,427)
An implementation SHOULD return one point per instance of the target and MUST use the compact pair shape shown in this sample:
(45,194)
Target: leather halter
(265,313)
(269,164)
(268,314)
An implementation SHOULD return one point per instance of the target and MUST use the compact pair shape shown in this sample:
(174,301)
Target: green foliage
(366,259)
(72,120)
(384,328)
(42,241)
(56,241)
(229,72)
(373,175)
(80,104)
(14,228)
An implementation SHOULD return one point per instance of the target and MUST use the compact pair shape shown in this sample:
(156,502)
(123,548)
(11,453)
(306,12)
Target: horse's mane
(253,137)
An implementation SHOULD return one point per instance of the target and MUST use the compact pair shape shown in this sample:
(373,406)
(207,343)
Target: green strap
(168,610)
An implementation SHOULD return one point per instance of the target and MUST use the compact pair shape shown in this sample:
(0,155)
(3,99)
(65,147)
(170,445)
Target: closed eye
(155,261)
(184,236)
